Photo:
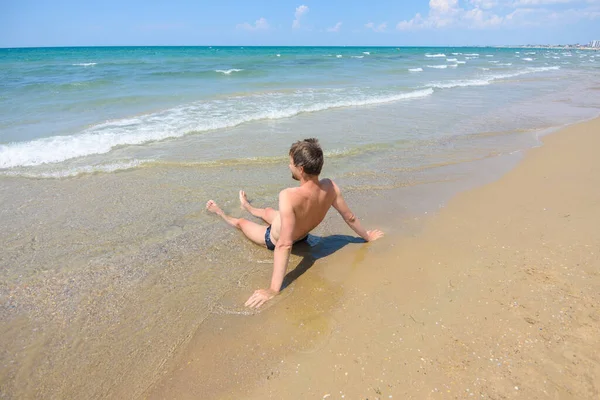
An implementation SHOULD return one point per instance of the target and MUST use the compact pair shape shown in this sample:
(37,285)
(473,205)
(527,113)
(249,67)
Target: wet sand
(496,296)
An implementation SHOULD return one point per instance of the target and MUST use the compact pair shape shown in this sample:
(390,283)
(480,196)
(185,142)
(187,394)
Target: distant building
(595,44)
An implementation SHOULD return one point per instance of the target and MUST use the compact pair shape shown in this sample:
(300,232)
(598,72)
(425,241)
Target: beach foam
(228,71)
(76,171)
(177,122)
(486,80)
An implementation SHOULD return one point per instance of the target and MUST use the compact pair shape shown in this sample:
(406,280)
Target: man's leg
(253,231)
(267,214)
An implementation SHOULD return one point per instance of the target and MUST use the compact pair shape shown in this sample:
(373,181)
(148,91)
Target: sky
(42,23)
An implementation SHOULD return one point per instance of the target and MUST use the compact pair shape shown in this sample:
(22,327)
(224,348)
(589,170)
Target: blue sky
(26,23)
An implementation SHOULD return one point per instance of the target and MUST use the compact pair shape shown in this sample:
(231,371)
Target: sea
(109,262)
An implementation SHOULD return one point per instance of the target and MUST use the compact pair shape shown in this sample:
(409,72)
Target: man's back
(310,203)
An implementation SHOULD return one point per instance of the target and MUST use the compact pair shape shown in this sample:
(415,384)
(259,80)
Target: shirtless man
(301,209)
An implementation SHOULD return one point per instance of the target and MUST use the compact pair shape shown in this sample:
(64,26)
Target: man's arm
(281,255)
(340,205)
(285,242)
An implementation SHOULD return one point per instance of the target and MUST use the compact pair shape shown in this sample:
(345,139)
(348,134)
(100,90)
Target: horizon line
(294,46)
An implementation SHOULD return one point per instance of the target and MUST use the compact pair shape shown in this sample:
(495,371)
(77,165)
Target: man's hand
(260,297)
(374,235)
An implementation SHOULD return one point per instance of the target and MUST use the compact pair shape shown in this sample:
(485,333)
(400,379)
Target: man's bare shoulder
(289,194)
(328,185)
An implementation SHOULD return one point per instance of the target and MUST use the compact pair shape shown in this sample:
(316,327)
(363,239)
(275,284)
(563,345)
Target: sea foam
(76,171)
(435,55)
(228,71)
(487,80)
(172,123)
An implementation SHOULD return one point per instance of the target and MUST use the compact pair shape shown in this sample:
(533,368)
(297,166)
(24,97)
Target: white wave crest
(415,69)
(177,122)
(459,83)
(461,62)
(451,59)
(339,56)
(527,59)
(75,171)
(472,54)
(228,71)
(435,55)
(487,80)
(358,56)
(437,66)
(84,64)
(367,52)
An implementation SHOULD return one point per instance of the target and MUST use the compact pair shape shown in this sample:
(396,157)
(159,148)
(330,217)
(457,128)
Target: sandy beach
(496,297)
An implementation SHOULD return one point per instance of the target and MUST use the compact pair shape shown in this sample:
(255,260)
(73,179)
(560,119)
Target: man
(301,209)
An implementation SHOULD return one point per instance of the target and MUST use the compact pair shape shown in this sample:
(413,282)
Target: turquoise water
(109,263)
(61,104)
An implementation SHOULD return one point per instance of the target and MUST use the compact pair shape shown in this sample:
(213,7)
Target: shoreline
(426,331)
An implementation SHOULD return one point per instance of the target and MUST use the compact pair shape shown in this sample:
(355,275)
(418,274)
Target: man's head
(306,154)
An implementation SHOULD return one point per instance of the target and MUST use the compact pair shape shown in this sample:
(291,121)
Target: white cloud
(443,6)
(484,4)
(259,24)
(376,28)
(483,14)
(300,11)
(519,3)
(335,28)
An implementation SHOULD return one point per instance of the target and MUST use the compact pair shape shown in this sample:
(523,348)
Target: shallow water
(107,156)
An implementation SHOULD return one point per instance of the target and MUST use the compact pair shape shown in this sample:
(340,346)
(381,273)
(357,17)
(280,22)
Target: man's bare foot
(213,207)
(243,200)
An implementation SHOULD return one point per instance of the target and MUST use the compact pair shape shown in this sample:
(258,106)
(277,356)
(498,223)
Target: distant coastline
(551,46)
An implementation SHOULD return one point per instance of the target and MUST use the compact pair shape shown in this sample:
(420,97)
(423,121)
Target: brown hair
(307,153)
